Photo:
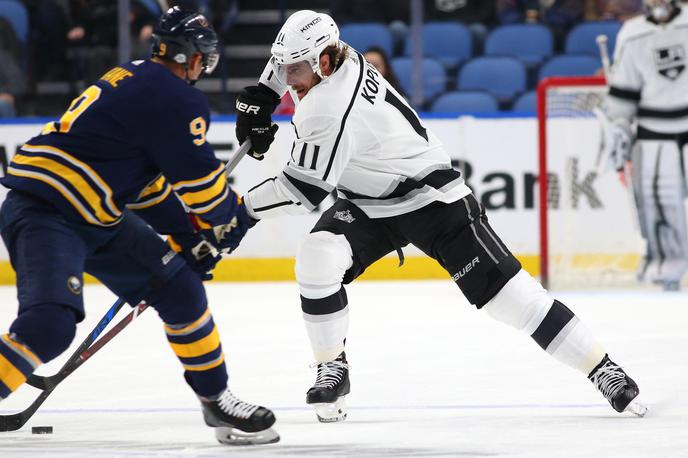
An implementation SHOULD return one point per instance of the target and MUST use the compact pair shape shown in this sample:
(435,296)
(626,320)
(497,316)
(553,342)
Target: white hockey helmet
(660,10)
(303,37)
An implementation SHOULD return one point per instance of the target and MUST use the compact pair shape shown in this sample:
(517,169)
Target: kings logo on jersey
(670,61)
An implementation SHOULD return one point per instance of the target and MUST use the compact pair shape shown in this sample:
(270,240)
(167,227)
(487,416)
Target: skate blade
(636,408)
(331,412)
(233,436)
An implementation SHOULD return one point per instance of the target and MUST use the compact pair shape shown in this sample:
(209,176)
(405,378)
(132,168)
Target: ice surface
(431,377)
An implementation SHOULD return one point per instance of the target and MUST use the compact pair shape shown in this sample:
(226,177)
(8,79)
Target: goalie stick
(90,345)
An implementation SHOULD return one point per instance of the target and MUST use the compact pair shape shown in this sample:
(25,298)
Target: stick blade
(11,422)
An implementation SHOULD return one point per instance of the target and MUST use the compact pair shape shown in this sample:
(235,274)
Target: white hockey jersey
(357,135)
(649,78)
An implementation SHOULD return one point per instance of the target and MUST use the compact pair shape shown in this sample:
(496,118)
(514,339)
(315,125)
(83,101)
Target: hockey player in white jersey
(355,134)
(649,88)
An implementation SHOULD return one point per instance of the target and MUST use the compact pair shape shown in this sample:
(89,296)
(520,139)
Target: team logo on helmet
(74,284)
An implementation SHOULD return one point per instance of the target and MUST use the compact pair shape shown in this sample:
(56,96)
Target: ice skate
(237,422)
(331,387)
(617,387)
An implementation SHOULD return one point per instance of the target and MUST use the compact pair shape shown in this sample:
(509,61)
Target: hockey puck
(42,430)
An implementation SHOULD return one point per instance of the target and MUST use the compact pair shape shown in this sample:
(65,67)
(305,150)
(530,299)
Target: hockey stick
(601,41)
(90,345)
(47,384)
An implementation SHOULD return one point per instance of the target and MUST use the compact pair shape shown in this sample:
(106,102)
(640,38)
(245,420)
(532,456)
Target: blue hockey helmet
(179,34)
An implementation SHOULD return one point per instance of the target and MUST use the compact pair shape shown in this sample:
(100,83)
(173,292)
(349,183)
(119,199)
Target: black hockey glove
(254,106)
(197,251)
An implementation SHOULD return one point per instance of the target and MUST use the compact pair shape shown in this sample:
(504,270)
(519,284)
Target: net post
(543,182)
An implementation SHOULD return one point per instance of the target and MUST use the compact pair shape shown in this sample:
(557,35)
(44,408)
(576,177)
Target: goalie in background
(395,186)
(649,90)
(125,155)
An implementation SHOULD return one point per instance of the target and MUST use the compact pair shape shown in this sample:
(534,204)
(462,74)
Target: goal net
(588,233)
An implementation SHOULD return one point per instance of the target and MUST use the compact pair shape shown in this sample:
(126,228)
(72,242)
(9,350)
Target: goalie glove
(254,106)
(616,142)
(621,139)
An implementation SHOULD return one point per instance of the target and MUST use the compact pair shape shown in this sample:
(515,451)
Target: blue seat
(582,38)
(570,65)
(529,43)
(449,42)
(434,76)
(465,102)
(526,103)
(503,77)
(15,12)
(363,36)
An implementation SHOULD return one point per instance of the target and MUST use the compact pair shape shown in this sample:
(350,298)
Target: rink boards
(590,217)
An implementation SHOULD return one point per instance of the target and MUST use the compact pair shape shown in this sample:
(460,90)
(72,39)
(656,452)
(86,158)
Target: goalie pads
(659,184)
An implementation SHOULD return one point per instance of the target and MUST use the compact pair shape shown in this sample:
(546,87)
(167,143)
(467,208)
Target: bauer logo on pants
(465,269)
(74,284)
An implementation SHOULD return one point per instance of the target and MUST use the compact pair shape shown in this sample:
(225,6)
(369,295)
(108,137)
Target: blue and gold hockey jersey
(134,139)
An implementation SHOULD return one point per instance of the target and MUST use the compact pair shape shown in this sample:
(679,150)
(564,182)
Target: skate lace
(233,406)
(329,373)
(609,379)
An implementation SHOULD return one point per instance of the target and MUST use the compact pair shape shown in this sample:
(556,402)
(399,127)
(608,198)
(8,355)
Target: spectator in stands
(616,10)
(93,34)
(377,57)
(478,15)
(559,15)
(396,14)
(12,78)
(384,11)
(48,26)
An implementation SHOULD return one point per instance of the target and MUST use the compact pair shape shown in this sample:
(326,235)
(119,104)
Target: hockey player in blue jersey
(89,194)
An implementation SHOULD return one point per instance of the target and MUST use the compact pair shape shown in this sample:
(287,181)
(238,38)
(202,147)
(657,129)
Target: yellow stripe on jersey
(213,204)
(85,168)
(204,195)
(156,186)
(10,375)
(72,177)
(199,347)
(197,182)
(62,189)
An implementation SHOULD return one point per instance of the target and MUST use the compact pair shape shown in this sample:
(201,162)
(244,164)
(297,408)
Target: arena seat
(434,76)
(529,43)
(582,38)
(570,65)
(16,14)
(503,77)
(449,42)
(364,35)
(465,102)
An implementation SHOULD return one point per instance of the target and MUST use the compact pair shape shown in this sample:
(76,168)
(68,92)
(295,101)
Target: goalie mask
(179,34)
(660,10)
(299,43)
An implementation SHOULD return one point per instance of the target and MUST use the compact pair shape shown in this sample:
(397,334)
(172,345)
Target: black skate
(331,386)
(617,387)
(237,422)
